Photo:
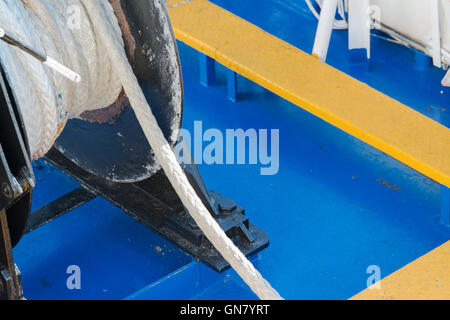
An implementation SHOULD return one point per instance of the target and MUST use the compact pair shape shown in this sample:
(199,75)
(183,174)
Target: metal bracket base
(10,280)
(8,289)
(154,203)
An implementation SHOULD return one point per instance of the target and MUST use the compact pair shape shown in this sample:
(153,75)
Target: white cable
(167,159)
(38,101)
(337,24)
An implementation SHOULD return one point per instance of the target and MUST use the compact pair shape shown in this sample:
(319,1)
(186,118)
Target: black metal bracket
(10,280)
(16,184)
(154,203)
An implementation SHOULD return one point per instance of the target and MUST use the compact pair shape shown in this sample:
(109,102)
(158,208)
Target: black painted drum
(110,142)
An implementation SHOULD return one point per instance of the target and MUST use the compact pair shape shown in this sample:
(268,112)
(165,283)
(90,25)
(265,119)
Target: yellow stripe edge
(420,286)
(344,125)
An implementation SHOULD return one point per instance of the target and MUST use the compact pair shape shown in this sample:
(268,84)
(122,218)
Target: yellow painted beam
(425,278)
(331,95)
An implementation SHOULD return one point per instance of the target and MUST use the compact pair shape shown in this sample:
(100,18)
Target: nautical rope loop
(47,100)
(94,49)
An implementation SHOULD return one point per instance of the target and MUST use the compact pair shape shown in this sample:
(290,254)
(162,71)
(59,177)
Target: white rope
(47,99)
(83,53)
(167,159)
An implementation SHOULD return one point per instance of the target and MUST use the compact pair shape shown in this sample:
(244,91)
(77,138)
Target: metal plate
(15,160)
(118,150)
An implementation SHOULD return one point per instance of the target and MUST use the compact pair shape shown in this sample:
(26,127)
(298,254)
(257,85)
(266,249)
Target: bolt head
(6,190)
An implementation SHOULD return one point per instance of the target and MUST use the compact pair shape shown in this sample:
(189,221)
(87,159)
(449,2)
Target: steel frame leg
(207,70)
(232,85)
(10,284)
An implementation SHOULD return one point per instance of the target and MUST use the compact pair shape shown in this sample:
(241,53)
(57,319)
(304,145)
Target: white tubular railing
(324,29)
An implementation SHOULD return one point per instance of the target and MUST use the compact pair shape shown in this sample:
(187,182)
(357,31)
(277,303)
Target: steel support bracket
(154,203)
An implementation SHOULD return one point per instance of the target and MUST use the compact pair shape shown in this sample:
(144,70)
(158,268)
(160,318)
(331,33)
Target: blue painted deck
(330,212)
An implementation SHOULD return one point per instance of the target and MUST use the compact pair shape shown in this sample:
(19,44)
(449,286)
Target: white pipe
(359,25)
(66,72)
(324,29)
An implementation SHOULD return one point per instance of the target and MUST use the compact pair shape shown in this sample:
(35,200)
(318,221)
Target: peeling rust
(111,113)
(130,43)
(108,114)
